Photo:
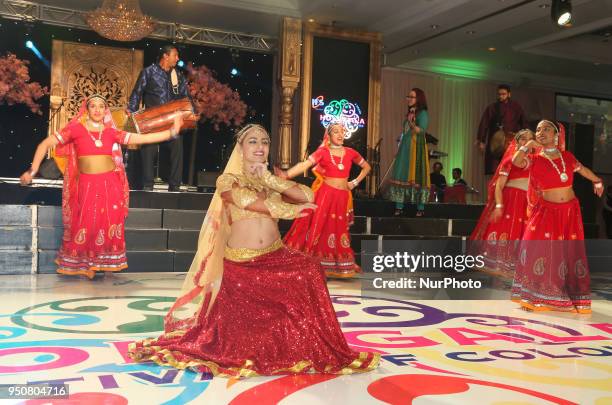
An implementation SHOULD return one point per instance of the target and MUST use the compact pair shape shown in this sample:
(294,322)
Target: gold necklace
(563,176)
(97,142)
(331,156)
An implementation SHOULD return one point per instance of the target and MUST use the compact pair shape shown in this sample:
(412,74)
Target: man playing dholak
(497,126)
(159,84)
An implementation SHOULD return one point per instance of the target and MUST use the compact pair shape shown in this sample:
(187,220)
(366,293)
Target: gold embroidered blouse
(245,190)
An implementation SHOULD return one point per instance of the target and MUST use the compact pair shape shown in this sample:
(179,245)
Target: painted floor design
(60,329)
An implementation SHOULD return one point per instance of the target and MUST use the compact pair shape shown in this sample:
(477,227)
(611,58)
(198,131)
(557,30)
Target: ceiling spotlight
(311,20)
(561,12)
(492,49)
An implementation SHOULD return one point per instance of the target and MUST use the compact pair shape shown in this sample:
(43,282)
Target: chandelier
(120,20)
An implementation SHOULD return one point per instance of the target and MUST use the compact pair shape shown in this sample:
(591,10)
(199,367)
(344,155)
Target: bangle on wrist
(524,149)
(499,205)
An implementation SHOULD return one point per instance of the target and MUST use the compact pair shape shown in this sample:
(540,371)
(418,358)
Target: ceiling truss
(34,12)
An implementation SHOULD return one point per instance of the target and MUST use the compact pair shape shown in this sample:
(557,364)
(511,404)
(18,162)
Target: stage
(76,331)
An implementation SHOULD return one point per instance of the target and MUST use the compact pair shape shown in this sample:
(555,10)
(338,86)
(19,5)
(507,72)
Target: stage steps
(165,239)
(44,194)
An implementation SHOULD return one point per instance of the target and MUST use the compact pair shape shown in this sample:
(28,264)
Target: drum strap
(174,80)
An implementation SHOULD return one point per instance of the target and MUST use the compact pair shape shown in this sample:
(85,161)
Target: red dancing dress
(498,241)
(272,313)
(325,233)
(94,206)
(552,272)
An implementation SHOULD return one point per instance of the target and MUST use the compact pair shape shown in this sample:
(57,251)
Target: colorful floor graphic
(435,352)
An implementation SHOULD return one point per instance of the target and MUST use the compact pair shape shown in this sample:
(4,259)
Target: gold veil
(203,280)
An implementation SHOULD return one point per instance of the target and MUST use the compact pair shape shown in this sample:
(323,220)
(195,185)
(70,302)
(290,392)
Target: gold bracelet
(280,209)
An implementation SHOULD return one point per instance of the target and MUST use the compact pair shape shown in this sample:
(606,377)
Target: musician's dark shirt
(510,114)
(438,180)
(154,88)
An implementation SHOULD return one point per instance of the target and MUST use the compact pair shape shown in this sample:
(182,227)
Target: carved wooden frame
(374,39)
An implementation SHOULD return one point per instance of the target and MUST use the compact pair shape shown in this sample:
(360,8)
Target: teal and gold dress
(410,173)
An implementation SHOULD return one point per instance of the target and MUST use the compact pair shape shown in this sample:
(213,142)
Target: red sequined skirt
(96,239)
(272,315)
(325,233)
(498,242)
(552,272)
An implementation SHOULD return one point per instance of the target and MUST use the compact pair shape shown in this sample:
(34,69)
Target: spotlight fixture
(492,49)
(180,63)
(561,12)
(234,72)
(32,47)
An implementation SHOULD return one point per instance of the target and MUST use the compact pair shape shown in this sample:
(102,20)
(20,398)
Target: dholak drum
(123,121)
(160,118)
(499,142)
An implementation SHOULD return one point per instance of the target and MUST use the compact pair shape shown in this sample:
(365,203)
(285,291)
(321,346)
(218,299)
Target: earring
(556,140)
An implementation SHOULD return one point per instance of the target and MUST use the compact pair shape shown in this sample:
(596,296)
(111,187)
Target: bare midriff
(558,195)
(340,183)
(253,233)
(95,164)
(521,184)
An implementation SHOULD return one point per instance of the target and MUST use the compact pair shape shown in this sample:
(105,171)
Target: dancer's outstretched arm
(156,137)
(39,155)
(588,174)
(295,170)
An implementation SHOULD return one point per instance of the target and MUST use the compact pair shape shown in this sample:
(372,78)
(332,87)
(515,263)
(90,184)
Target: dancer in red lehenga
(250,306)
(503,219)
(325,234)
(95,193)
(552,272)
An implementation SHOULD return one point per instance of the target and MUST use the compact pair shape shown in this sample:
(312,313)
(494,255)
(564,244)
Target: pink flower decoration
(215,101)
(15,85)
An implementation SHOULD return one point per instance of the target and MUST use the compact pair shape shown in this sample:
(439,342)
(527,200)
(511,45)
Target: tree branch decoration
(215,101)
(15,85)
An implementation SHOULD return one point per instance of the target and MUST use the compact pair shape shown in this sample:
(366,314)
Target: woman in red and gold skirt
(325,234)
(552,272)
(95,192)
(501,224)
(250,306)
